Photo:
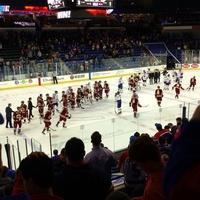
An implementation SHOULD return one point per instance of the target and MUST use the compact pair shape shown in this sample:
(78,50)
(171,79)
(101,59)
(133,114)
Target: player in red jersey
(63,117)
(192,83)
(49,103)
(178,87)
(24,110)
(17,118)
(40,105)
(72,99)
(100,88)
(106,88)
(47,122)
(159,95)
(134,103)
(79,97)
(64,100)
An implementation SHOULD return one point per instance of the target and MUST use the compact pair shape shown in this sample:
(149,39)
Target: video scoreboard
(71,4)
(95,3)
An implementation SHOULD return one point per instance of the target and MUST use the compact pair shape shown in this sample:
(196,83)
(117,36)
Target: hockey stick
(146,105)
(52,129)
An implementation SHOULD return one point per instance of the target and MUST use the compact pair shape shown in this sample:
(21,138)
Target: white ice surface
(115,129)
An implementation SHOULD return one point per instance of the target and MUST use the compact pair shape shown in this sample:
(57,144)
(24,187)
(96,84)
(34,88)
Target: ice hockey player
(24,110)
(178,88)
(192,83)
(106,88)
(55,101)
(47,122)
(63,117)
(167,81)
(17,118)
(118,101)
(120,85)
(159,95)
(134,103)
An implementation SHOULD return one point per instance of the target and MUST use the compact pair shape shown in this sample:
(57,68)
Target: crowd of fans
(159,167)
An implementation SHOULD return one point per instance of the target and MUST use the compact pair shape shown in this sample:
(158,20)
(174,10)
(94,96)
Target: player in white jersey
(55,101)
(120,85)
(180,75)
(144,77)
(167,81)
(174,75)
(118,101)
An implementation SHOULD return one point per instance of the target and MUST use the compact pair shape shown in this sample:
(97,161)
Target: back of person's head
(158,126)
(118,195)
(96,138)
(161,140)
(38,167)
(136,134)
(166,127)
(144,149)
(55,152)
(75,149)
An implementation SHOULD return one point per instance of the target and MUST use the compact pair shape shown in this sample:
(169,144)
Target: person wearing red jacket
(17,118)
(159,95)
(178,87)
(63,117)
(24,110)
(134,103)
(47,122)
(192,83)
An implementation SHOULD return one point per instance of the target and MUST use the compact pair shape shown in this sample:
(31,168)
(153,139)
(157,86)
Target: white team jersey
(117,97)
(55,98)
(120,81)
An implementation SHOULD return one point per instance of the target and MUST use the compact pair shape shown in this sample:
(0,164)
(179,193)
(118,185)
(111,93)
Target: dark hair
(96,138)
(55,152)
(179,119)
(161,140)
(118,195)
(39,167)
(144,148)
(136,134)
(75,149)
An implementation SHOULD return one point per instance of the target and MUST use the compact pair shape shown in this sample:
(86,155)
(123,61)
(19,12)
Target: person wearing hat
(100,156)
(161,132)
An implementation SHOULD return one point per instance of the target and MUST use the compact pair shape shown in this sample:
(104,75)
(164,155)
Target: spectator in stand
(118,195)
(161,132)
(37,172)
(146,154)
(182,173)
(163,146)
(134,176)
(61,160)
(78,179)
(172,128)
(9,112)
(100,156)
(55,156)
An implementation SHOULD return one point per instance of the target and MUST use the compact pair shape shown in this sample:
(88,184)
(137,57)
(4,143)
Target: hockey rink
(100,116)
